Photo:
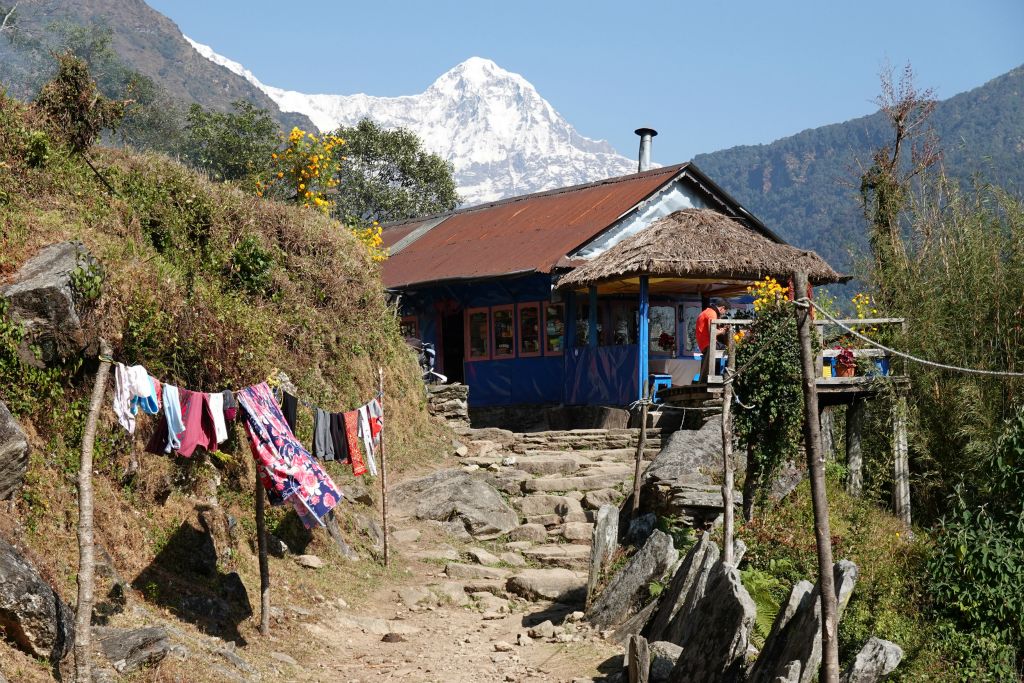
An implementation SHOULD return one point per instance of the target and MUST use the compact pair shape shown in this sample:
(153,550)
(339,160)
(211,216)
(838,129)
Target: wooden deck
(831,390)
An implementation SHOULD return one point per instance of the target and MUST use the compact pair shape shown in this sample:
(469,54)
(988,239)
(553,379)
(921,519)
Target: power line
(805,303)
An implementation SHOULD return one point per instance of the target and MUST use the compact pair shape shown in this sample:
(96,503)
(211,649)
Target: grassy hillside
(209,288)
(805,186)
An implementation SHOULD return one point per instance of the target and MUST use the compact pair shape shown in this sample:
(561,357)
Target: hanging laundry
(323,445)
(167,435)
(133,389)
(367,438)
(338,437)
(220,428)
(287,470)
(198,420)
(376,411)
(289,406)
(352,442)
(230,405)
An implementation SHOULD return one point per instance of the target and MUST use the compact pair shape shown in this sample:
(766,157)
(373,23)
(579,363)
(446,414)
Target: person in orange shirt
(703,332)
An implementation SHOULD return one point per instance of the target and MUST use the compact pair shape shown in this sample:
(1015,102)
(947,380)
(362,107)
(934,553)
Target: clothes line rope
(807,303)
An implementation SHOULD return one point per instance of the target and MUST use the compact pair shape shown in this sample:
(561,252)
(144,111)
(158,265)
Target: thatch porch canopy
(698,250)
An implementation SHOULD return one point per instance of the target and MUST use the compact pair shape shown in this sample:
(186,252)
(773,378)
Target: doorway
(453,346)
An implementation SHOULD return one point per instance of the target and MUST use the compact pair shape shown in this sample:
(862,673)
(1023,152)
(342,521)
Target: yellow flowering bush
(766,292)
(372,236)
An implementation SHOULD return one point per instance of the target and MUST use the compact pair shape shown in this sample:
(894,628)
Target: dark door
(453,343)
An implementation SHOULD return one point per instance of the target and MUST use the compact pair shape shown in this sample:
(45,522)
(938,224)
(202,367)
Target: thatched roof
(699,244)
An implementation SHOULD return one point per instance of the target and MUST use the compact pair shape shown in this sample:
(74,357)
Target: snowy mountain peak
(501,136)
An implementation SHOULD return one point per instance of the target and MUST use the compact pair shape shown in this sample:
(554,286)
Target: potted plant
(846,364)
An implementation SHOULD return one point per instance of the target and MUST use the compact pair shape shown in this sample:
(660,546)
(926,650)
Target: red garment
(352,440)
(703,331)
(198,421)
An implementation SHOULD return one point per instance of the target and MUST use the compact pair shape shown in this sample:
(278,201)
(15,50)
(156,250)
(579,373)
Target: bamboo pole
(383,472)
(727,467)
(86,564)
(261,543)
(641,445)
(819,497)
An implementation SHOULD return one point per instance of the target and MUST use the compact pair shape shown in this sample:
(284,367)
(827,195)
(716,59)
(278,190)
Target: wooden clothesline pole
(383,471)
(261,543)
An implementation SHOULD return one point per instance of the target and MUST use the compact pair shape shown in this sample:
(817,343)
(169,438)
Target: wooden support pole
(86,565)
(383,472)
(827,421)
(854,452)
(641,445)
(592,317)
(901,480)
(261,545)
(819,497)
(727,466)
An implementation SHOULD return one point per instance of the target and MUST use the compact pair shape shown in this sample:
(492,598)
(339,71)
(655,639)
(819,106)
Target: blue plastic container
(657,383)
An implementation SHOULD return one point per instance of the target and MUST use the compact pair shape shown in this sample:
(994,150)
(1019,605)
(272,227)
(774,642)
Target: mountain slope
(144,39)
(502,137)
(805,185)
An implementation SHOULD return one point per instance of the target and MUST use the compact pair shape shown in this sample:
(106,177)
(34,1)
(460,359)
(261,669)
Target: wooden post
(86,566)
(261,545)
(592,317)
(827,421)
(854,453)
(727,469)
(641,445)
(819,497)
(901,481)
(383,472)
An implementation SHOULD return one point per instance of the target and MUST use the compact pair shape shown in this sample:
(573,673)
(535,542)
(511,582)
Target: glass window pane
(624,322)
(529,329)
(504,333)
(662,330)
(554,318)
(582,323)
(479,335)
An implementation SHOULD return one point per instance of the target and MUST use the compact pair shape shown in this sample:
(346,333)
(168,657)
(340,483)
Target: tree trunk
(727,468)
(819,497)
(261,544)
(383,473)
(86,567)
(750,483)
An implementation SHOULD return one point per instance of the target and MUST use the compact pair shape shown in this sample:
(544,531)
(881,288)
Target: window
(623,316)
(478,334)
(409,327)
(582,323)
(662,330)
(529,330)
(554,328)
(504,331)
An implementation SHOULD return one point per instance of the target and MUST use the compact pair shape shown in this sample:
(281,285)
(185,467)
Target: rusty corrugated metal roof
(530,233)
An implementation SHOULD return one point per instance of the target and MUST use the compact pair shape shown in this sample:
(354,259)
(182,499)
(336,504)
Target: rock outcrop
(604,543)
(454,495)
(13,454)
(129,649)
(42,300)
(624,594)
(876,660)
(684,592)
(792,650)
(32,615)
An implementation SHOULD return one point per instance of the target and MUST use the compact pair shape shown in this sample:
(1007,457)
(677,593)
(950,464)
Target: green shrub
(251,265)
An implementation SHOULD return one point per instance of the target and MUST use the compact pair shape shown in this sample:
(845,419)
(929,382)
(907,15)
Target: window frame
(551,304)
(494,336)
(414,321)
(661,303)
(467,356)
(538,306)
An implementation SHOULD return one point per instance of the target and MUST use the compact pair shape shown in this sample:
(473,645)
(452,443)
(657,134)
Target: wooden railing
(827,349)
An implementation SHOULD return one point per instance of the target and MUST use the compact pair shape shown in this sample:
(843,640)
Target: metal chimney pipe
(645,147)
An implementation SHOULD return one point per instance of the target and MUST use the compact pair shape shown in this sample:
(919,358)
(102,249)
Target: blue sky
(706,75)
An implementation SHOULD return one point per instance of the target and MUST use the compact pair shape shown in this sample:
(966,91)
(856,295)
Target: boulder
(534,533)
(876,660)
(588,482)
(678,482)
(562,585)
(451,592)
(567,555)
(221,537)
(564,507)
(577,531)
(792,650)
(129,649)
(457,570)
(309,561)
(639,666)
(484,557)
(595,500)
(623,595)
(684,592)
(13,454)
(453,495)
(42,300)
(663,659)
(548,464)
(640,528)
(715,641)
(32,615)
(604,542)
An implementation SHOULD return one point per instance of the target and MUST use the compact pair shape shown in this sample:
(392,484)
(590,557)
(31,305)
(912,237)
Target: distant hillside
(805,186)
(144,39)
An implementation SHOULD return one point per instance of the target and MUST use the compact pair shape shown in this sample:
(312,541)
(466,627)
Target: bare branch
(8,19)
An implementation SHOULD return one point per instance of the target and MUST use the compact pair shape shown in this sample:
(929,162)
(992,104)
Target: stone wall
(449,401)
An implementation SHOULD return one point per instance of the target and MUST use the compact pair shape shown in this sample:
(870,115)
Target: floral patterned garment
(288,472)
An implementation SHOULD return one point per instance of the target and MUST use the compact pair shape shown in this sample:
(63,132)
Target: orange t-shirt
(703,331)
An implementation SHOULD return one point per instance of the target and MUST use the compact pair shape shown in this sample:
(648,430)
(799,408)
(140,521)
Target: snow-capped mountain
(501,136)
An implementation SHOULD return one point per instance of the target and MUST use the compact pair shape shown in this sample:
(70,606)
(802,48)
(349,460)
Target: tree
(74,108)
(233,145)
(388,176)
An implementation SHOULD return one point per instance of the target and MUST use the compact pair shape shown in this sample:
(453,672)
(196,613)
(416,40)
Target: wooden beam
(854,452)
(901,480)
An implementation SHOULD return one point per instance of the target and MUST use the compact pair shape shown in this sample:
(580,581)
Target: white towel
(220,427)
